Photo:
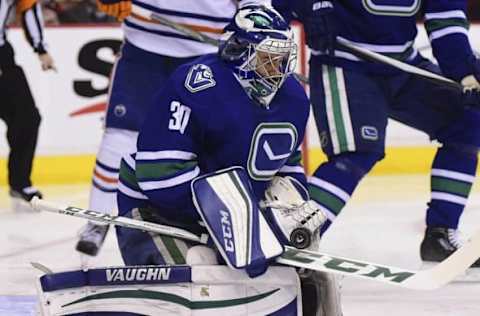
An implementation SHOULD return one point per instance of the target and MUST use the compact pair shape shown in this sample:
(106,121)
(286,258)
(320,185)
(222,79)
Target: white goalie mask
(261,47)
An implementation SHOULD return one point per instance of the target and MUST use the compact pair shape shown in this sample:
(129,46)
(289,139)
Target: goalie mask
(259,45)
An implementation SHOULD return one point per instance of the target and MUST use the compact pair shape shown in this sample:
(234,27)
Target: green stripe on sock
(330,201)
(451,186)
(438,24)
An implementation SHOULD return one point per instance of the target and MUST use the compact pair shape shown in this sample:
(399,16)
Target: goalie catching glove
(297,219)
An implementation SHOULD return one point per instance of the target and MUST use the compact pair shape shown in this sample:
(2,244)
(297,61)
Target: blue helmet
(259,45)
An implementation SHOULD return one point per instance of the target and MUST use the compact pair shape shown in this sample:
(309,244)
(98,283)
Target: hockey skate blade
(471,275)
(41,267)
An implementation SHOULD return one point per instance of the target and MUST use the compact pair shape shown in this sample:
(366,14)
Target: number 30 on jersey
(180,117)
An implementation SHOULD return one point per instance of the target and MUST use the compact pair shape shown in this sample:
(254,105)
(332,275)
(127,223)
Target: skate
(20,198)
(92,238)
(439,243)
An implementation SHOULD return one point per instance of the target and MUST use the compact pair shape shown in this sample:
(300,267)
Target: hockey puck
(301,238)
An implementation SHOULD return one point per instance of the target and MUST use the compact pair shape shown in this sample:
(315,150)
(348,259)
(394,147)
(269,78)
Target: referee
(17,107)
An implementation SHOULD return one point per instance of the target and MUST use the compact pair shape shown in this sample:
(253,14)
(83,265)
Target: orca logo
(200,77)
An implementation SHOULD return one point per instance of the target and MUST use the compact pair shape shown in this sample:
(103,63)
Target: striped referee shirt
(32,21)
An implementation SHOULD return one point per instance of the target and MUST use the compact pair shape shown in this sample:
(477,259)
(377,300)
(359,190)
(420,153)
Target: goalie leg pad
(230,210)
(169,291)
(143,248)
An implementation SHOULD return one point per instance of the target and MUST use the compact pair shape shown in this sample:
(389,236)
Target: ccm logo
(227,231)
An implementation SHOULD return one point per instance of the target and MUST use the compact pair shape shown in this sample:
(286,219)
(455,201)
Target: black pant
(17,109)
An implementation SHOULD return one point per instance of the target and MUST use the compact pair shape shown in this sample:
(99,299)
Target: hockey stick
(429,279)
(361,52)
(379,58)
(102,218)
(142,13)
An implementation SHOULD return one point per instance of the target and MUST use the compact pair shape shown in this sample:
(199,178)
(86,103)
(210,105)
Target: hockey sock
(452,176)
(334,181)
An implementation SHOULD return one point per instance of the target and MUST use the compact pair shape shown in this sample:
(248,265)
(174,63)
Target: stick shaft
(379,58)
(99,217)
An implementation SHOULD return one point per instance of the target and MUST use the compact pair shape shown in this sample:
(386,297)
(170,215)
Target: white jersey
(208,16)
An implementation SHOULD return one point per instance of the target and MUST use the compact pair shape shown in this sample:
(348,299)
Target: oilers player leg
(103,193)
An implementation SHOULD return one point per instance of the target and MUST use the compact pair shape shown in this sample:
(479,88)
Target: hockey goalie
(218,155)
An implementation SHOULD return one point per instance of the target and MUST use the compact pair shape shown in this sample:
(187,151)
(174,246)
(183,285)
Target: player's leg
(351,117)
(22,119)
(137,76)
(441,114)
(117,140)
(103,193)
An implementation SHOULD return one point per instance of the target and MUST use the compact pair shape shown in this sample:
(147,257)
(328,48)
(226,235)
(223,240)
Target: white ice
(384,223)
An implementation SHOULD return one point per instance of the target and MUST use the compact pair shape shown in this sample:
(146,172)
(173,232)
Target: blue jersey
(389,27)
(203,121)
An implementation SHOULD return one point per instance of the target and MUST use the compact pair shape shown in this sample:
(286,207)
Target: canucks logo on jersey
(272,144)
(394,8)
(200,77)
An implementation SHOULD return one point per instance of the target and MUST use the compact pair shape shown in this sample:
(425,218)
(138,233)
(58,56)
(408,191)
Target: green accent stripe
(127,175)
(154,171)
(451,186)
(337,110)
(438,24)
(327,199)
(172,248)
(172,298)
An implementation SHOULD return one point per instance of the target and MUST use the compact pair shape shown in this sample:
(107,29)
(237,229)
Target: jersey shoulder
(293,91)
(202,76)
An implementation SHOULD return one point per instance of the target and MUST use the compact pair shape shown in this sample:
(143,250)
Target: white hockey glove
(297,219)
(470,83)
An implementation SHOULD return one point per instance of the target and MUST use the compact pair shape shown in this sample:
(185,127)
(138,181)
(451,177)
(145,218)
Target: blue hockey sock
(453,173)
(334,181)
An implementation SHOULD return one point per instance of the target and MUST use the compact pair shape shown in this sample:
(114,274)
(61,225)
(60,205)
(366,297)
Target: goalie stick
(361,52)
(429,279)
